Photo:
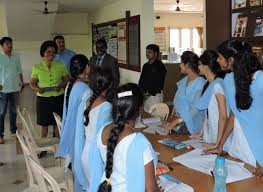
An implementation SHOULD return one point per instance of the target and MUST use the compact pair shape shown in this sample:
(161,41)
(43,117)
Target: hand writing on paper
(259,171)
(216,150)
(196,136)
(208,146)
(168,128)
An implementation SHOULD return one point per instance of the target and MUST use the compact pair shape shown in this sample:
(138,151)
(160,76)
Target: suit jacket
(110,63)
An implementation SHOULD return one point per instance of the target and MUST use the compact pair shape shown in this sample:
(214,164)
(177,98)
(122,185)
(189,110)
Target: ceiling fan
(178,8)
(46,11)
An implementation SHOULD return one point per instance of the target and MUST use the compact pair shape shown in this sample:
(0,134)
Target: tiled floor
(13,174)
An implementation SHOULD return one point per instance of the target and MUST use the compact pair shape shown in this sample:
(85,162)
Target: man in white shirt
(11,82)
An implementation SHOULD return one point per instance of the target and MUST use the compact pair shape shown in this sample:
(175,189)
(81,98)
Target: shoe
(1,164)
(2,140)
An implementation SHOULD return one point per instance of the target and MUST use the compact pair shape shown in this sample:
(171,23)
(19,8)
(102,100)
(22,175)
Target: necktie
(98,61)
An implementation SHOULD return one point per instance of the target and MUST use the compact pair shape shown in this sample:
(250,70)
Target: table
(199,181)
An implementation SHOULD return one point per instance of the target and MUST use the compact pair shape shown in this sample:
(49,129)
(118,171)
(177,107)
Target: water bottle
(220,175)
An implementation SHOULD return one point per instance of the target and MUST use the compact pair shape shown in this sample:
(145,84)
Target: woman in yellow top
(48,80)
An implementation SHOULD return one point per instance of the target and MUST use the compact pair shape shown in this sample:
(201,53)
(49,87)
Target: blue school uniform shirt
(185,96)
(65,57)
(68,129)
(251,120)
(204,103)
(93,158)
(80,183)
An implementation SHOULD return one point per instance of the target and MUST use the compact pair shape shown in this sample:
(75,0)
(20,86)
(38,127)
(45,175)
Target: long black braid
(125,109)
(245,65)
(78,65)
(100,81)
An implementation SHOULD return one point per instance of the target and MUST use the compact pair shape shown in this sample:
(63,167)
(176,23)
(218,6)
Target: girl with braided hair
(76,89)
(128,156)
(97,115)
(244,91)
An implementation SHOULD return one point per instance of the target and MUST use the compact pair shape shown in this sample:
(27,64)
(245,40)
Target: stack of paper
(205,163)
(171,184)
(155,129)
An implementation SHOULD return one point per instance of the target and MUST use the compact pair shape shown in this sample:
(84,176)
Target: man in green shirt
(11,81)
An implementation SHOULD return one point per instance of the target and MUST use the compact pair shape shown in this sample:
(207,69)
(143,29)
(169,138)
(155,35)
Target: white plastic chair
(39,144)
(65,179)
(44,180)
(58,122)
(32,189)
(160,110)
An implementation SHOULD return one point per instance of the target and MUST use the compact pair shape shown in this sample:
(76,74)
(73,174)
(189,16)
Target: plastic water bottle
(220,175)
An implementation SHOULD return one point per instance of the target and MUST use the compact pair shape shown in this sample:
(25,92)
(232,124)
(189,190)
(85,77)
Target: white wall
(74,27)
(179,20)
(3,26)
(29,51)
(116,10)
(29,55)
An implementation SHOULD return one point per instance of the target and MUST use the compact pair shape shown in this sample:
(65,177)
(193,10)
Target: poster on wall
(241,26)
(240,4)
(112,47)
(259,27)
(159,37)
(122,43)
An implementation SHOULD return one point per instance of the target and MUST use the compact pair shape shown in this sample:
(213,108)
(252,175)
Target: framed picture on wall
(253,3)
(241,26)
(240,4)
(259,27)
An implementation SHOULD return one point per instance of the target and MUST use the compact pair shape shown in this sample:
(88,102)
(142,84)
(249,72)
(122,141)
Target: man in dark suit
(106,61)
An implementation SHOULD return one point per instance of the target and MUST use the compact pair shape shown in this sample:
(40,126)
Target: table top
(199,181)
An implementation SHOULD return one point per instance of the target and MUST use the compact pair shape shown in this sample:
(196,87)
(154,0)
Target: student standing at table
(11,82)
(244,93)
(129,157)
(189,89)
(212,100)
(48,80)
(97,116)
(108,62)
(63,55)
(77,87)
(152,77)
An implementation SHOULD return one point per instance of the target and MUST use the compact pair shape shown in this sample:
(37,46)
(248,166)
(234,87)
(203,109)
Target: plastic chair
(32,189)
(160,110)
(44,180)
(65,179)
(58,122)
(39,144)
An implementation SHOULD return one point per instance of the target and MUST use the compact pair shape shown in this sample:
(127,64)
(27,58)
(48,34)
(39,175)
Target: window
(183,39)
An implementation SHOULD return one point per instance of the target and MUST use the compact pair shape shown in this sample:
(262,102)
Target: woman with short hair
(48,80)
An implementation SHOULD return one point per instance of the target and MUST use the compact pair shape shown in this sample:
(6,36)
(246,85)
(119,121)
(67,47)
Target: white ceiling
(25,25)
(185,5)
